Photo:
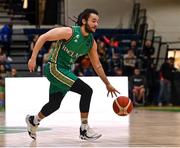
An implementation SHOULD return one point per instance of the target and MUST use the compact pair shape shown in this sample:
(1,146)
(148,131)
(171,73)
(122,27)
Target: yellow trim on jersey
(55,52)
(60,76)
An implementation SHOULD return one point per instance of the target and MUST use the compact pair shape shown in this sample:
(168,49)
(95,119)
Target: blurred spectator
(85,62)
(2,92)
(5,37)
(46,56)
(2,56)
(87,68)
(101,48)
(118,71)
(77,69)
(4,60)
(112,47)
(3,74)
(12,73)
(138,86)
(152,76)
(111,42)
(129,62)
(148,51)
(83,67)
(103,57)
(166,79)
(89,71)
(134,47)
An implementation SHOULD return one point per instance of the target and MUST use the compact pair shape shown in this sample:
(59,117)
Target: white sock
(36,119)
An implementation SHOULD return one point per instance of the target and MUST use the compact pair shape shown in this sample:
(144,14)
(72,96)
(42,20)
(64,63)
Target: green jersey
(57,70)
(66,52)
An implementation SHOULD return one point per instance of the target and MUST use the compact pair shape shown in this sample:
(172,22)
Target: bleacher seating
(7,15)
(20,53)
(21,37)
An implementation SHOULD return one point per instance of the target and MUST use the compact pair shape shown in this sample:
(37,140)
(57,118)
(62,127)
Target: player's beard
(88,29)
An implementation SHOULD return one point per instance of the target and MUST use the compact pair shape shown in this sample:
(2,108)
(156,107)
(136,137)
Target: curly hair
(85,15)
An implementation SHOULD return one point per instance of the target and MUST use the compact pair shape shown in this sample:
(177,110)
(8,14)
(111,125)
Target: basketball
(122,106)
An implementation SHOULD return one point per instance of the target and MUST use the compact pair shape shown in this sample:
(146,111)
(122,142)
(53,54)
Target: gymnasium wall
(113,14)
(163,16)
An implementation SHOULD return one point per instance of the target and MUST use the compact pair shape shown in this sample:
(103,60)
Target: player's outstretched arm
(93,55)
(55,34)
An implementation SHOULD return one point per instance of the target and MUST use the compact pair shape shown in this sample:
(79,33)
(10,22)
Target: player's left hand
(112,90)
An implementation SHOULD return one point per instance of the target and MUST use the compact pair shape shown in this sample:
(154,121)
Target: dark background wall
(50,15)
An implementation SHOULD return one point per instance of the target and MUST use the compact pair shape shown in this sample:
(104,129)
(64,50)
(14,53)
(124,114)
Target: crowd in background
(146,85)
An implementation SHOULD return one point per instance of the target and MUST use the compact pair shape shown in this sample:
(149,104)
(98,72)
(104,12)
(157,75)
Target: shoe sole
(28,125)
(89,139)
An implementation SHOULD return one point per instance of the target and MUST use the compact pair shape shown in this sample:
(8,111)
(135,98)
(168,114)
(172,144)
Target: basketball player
(72,42)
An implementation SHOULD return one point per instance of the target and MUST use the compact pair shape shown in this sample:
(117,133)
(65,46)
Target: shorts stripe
(60,76)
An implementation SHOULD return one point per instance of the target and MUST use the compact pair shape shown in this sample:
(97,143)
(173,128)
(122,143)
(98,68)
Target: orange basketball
(122,106)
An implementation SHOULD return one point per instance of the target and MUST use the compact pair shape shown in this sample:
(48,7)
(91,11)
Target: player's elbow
(43,38)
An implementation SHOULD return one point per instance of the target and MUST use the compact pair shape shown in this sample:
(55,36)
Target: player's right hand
(112,90)
(31,65)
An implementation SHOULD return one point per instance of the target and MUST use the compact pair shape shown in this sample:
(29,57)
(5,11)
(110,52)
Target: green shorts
(60,79)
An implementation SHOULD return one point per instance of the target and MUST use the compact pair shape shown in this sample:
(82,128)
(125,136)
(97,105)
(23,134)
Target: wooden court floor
(145,129)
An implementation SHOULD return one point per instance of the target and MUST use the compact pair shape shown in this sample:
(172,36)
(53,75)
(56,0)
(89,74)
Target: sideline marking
(12,130)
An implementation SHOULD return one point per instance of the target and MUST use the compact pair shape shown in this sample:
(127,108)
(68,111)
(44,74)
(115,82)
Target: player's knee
(89,90)
(55,104)
(55,100)
(86,91)
(85,98)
